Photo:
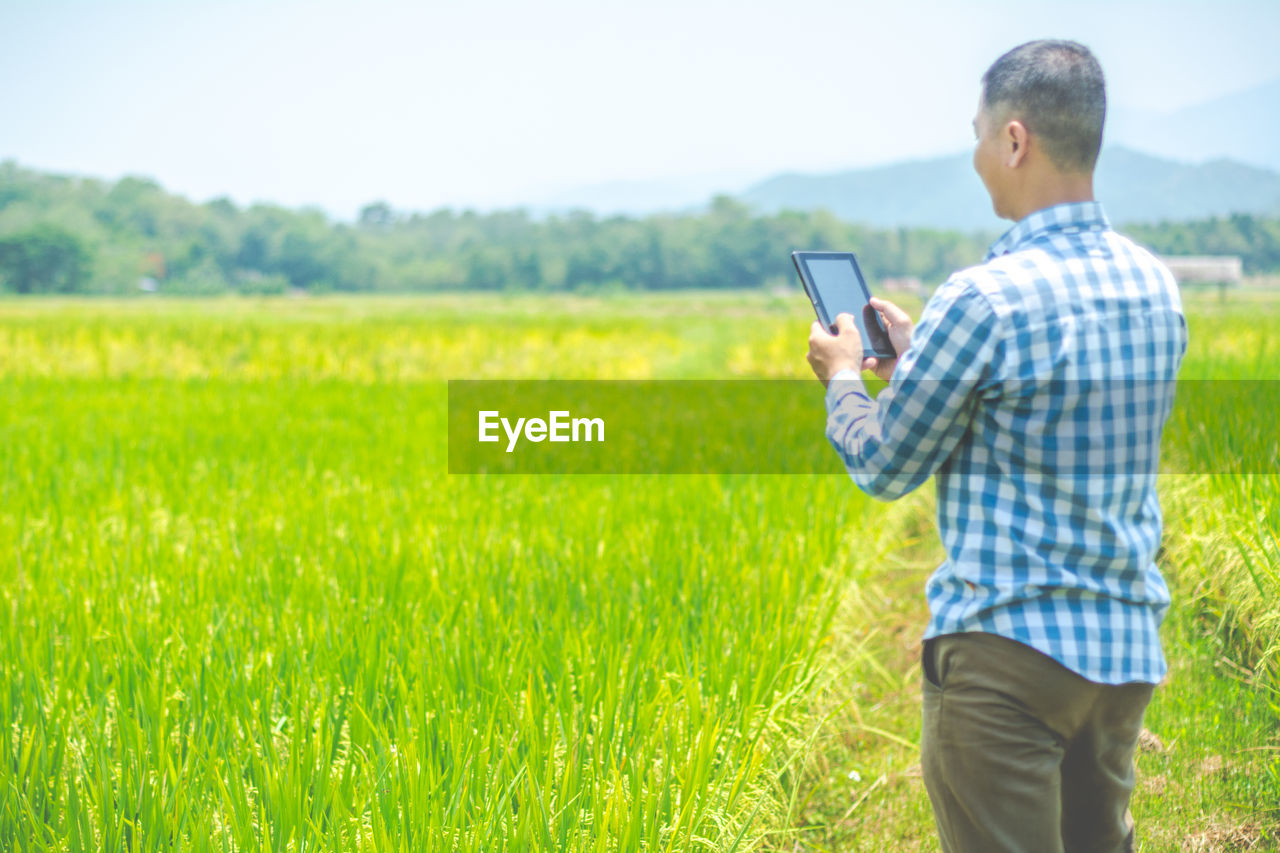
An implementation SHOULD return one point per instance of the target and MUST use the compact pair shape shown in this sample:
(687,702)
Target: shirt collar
(1069,218)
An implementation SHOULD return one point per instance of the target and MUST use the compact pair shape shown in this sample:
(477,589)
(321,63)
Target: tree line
(80,235)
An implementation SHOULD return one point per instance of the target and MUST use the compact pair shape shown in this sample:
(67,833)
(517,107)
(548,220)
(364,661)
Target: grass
(1209,779)
(245,608)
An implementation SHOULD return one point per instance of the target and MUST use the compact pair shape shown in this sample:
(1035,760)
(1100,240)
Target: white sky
(495,103)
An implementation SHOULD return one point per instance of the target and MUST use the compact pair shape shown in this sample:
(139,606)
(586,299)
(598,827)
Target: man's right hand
(899,325)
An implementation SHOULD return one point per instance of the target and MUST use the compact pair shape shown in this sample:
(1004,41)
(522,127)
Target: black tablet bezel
(801,261)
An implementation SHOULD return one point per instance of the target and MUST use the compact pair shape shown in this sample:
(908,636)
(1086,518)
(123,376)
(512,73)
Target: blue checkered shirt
(1035,388)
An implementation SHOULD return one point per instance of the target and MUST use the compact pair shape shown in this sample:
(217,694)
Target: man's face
(987,156)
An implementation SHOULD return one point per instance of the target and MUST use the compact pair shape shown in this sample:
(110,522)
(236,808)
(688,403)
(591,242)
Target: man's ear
(1016,140)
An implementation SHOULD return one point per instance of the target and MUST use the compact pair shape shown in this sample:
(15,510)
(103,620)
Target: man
(1034,388)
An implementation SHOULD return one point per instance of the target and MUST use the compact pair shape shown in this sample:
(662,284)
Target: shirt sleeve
(894,443)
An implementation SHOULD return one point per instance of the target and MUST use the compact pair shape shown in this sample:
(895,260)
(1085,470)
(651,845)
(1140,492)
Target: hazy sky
(492,103)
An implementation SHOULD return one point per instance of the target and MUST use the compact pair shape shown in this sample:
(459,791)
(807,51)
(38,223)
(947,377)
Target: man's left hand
(829,354)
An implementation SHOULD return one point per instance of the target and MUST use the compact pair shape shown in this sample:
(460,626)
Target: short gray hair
(1056,89)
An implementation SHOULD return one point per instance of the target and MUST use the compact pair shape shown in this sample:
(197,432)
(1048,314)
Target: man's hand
(829,354)
(898,323)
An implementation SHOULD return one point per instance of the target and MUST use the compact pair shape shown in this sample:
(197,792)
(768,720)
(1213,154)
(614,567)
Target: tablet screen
(840,289)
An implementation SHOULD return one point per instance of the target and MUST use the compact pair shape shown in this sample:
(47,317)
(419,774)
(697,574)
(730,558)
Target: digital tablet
(835,286)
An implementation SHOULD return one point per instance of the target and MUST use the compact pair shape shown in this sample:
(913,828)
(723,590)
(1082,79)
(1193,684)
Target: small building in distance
(904,284)
(1220,270)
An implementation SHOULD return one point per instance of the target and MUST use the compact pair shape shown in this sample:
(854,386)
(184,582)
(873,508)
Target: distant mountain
(942,193)
(1242,126)
(1140,188)
(946,193)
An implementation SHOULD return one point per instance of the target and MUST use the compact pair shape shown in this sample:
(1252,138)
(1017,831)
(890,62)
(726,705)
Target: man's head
(1039,126)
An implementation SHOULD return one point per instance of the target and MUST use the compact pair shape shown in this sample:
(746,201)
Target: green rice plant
(244,607)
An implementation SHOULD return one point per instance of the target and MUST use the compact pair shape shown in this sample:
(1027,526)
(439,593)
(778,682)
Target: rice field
(244,607)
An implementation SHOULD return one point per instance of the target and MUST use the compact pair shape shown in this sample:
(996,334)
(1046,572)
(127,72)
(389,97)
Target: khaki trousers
(1020,754)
